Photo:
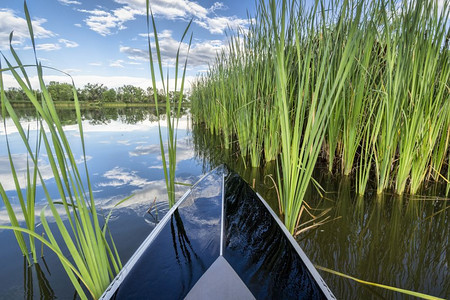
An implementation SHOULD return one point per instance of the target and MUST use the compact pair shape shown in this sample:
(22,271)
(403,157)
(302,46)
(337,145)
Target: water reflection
(183,248)
(385,239)
(124,159)
(181,241)
(402,242)
(102,115)
(45,289)
(210,153)
(398,241)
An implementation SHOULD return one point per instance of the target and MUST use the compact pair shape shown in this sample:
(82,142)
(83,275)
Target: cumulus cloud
(145,150)
(134,53)
(82,159)
(107,22)
(9,22)
(218,25)
(171,10)
(200,54)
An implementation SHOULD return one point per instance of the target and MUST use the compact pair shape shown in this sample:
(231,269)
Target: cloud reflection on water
(123,159)
(119,176)
(20,165)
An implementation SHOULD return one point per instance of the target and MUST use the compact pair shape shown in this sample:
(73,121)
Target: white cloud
(77,25)
(145,150)
(164,34)
(135,54)
(69,2)
(54,46)
(46,47)
(154,193)
(81,159)
(10,22)
(71,71)
(134,63)
(217,6)
(108,22)
(218,25)
(200,54)
(117,63)
(170,9)
(68,44)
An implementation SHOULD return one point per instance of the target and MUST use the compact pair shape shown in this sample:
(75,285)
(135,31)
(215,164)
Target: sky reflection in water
(397,241)
(123,159)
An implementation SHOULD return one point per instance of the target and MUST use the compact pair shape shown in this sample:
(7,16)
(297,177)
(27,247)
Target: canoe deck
(220,240)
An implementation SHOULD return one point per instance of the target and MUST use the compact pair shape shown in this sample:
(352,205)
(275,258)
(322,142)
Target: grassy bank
(363,84)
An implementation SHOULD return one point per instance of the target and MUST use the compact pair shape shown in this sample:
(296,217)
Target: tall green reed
(321,77)
(86,250)
(390,115)
(425,108)
(172,109)
(229,105)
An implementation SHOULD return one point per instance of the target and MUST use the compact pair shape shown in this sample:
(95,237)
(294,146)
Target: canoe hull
(218,225)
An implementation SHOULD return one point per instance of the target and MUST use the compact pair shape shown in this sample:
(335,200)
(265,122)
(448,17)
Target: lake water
(403,242)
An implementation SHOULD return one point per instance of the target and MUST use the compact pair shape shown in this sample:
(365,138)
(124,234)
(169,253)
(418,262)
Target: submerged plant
(91,261)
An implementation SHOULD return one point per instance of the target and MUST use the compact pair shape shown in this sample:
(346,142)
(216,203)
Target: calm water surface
(402,242)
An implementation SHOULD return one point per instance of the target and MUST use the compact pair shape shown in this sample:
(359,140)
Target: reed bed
(364,84)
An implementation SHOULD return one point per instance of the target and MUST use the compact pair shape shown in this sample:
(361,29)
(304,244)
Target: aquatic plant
(173,110)
(390,116)
(304,115)
(86,251)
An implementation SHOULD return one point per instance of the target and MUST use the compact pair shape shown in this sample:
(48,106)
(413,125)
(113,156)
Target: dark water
(403,242)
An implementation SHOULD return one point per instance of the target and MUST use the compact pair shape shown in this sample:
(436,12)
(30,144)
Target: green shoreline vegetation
(98,95)
(71,104)
(363,84)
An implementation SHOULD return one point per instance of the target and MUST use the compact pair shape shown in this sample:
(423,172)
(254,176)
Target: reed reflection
(398,241)
(33,273)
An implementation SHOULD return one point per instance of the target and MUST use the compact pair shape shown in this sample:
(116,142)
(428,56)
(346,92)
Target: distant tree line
(97,92)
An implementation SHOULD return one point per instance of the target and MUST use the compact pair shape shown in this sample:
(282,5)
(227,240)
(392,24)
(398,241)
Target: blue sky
(105,41)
